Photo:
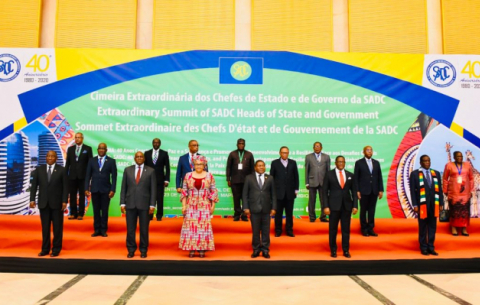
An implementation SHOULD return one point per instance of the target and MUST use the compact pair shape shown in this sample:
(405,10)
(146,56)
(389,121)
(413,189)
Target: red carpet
(21,237)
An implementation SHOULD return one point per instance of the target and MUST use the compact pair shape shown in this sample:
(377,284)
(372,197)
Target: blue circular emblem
(9,67)
(441,73)
(241,70)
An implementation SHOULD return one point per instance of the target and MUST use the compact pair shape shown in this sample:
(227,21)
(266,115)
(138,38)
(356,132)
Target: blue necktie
(100,163)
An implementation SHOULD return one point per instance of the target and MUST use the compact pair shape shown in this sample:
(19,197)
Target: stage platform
(394,251)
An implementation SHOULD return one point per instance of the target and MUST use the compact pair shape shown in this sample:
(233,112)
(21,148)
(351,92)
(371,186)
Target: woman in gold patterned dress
(198,199)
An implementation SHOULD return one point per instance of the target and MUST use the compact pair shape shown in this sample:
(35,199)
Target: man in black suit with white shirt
(340,202)
(159,160)
(260,201)
(51,182)
(285,172)
(78,156)
(102,174)
(369,184)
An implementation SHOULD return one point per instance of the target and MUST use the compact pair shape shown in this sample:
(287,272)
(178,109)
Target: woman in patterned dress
(458,186)
(198,199)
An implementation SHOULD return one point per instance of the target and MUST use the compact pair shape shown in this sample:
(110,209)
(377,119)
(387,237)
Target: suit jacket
(335,196)
(429,191)
(162,167)
(234,175)
(100,179)
(286,179)
(315,171)
(259,200)
(368,183)
(52,193)
(142,195)
(78,169)
(183,168)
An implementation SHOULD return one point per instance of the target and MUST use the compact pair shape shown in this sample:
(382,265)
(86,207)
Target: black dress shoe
(291,234)
(54,254)
(266,254)
(365,233)
(43,253)
(236,218)
(244,218)
(312,220)
(255,253)
(424,252)
(143,255)
(278,234)
(372,233)
(347,254)
(333,254)
(130,254)
(323,220)
(104,234)
(95,234)
(432,252)
(159,218)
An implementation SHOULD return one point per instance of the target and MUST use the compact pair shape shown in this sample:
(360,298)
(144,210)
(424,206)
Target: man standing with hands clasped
(317,164)
(102,171)
(240,163)
(78,156)
(369,185)
(137,201)
(340,202)
(158,159)
(260,201)
(52,184)
(427,200)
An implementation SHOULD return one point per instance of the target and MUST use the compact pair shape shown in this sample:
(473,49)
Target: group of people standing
(256,195)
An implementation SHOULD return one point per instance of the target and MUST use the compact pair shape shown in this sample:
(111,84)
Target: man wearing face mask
(101,183)
(240,163)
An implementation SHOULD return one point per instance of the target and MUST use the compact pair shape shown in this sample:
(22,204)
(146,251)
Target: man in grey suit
(316,167)
(260,201)
(137,200)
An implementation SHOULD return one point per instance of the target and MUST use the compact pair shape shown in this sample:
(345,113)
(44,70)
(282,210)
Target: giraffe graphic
(474,208)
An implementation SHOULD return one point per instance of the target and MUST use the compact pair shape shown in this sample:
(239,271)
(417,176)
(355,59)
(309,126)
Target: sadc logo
(241,70)
(441,73)
(9,67)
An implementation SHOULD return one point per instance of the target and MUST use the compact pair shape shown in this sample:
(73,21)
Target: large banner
(403,106)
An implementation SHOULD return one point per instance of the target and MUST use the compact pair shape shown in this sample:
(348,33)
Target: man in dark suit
(240,163)
(137,201)
(78,156)
(260,201)
(427,200)
(102,174)
(285,172)
(158,159)
(185,164)
(317,164)
(52,184)
(340,202)
(369,184)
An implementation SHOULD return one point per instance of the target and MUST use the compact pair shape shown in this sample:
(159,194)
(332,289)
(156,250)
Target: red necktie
(138,175)
(192,164)
(342,181)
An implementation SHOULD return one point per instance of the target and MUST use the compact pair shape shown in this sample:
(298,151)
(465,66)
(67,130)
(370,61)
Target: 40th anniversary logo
(9,67)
